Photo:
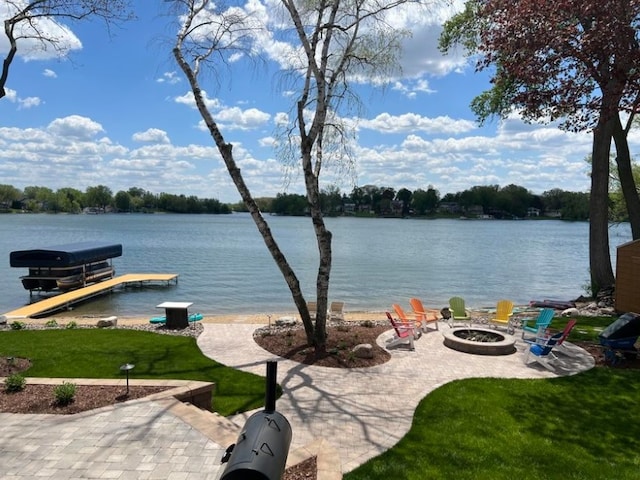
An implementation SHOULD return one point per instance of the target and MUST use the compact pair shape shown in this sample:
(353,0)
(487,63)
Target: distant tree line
(510,202)
(507,202)
(100,199)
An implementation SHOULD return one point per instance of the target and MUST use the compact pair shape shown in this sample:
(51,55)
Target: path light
(125,368)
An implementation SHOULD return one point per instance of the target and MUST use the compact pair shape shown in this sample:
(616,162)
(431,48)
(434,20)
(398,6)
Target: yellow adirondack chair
(502,318)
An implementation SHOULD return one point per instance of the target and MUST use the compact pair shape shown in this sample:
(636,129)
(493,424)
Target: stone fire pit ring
(505,344)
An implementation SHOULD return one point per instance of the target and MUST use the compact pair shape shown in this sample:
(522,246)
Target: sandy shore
(259,319)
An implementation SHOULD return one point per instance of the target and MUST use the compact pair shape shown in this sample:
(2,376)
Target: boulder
(286,322)
(364,350)
(107,322)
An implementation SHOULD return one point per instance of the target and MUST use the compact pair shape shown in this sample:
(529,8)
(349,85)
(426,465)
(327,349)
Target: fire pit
(480,341)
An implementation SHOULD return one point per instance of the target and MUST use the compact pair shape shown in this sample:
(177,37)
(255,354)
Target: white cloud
(47,72)
(187,99)
(169,77)
(29,36)
(235,118)
(28,102)
(75,127)
(10,94)
(411,122)
(151,135)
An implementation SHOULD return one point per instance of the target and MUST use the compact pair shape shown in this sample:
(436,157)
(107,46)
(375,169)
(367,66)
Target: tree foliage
(38,23)
(569,60)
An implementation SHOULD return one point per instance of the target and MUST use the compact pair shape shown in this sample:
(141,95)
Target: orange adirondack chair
(424,316)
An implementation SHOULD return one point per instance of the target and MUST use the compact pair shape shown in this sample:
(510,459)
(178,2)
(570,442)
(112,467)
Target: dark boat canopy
(65,255)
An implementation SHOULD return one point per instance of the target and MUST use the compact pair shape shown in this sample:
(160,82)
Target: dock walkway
(65,300)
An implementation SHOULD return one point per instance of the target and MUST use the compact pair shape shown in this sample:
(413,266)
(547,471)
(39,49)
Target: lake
(224,266)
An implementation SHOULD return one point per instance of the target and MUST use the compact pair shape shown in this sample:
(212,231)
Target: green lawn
(93,353)
(582,427)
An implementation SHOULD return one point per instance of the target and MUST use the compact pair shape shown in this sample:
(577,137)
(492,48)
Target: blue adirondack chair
(543,353)
(542,322)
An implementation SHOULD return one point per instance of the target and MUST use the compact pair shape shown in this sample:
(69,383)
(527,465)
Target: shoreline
(255,319)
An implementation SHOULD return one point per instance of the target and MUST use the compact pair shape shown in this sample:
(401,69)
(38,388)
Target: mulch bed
(291,343)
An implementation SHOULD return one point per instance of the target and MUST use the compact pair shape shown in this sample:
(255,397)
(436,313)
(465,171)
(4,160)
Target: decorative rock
(364,350)
(286,322)
(570,311)
(3,319)
(107,322)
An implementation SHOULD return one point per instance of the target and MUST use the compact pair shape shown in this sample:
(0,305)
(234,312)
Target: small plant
(343,328)
(14,383)
(368,324)
(51,324)
(71,325)
(65,393)
(17,325)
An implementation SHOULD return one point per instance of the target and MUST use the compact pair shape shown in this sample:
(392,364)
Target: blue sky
(117,112)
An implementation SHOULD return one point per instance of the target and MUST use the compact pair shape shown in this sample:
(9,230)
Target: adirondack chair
(404,334)
(336,311)
(404,320)
(542,353)
(541,324)
(565,333)
(502,318)
(543,350)
(313,309)
(459,313)
(424,316)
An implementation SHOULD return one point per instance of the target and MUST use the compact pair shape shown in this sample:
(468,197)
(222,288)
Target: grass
(585,426)
(91,353)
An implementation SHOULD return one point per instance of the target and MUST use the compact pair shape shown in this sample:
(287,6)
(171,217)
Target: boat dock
(65,300)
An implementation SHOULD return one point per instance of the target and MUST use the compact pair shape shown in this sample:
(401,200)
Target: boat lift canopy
(65,255)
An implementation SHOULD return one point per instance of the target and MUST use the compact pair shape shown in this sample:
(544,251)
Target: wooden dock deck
(65,300)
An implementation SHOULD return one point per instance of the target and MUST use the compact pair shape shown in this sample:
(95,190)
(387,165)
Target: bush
(65,393)
(18,325)
(14,383)
(71,325)
(51,324)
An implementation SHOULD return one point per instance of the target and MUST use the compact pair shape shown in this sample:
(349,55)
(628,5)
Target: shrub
(14,383)
(65,393)
(71,325)
(18,325)
(51,324)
